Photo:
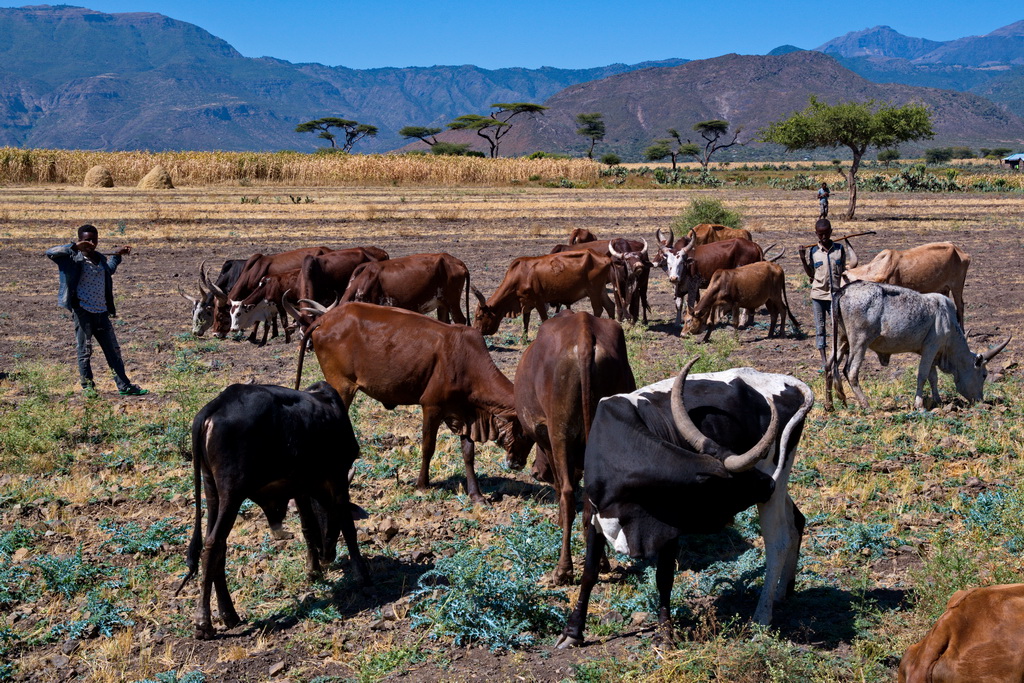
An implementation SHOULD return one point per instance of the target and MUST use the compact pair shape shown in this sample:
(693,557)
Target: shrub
(938,155)
(706,210)
(611,159)
(66,575)
(492,595)
(131,538)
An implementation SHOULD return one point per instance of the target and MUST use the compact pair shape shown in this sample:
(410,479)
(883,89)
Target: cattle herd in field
(679,456)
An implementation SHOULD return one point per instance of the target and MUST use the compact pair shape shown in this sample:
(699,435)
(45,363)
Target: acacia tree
(855,125)
(665,148)
(716,136)
(591,126)
(495,126)
(354,131)
(421,133)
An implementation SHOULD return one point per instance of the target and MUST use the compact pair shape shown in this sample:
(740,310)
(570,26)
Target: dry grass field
(96,495)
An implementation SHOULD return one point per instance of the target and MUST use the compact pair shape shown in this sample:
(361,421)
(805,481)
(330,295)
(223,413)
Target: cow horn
(994,351)
(313,306)
(290,309)
(480,295)
(644,250)
(661,240)
(202,276)
(611,250)
(217,291)
(704,444)
(186,296)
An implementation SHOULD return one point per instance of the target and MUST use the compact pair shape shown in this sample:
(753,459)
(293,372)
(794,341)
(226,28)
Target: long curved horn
(186,296)
(994,351)
(217,291)
(290,309)
(480,295)
(644,250)
(611,250)
(662,241)
(313,306)
(202,276)
(704,444)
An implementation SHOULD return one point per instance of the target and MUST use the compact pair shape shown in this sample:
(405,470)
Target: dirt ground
(173,233)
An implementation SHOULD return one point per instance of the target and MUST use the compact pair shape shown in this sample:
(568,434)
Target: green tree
(671,148)
(611,159)
(421,133)
(495,126)
(937,155)
(887,156)
(962,152)
(591,126)
(716,136)
(855,125)
(451,149)
(353,130)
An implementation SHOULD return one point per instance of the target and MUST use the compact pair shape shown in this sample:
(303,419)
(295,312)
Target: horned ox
(575,360)
(270,444)
(750,286)
(534,282)
(631,267)
(203,308)
(681,457)
(888,319)
(936,267)
(976,640)
(399,357)
(419,282)
(691,270)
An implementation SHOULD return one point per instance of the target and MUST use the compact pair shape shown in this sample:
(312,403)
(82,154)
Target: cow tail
(585,356)
(785,300)
(469,321)
(198,456)
(837,322)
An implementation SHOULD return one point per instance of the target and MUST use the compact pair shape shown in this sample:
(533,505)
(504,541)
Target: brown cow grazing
(750,287)
(266,304)
(402,358)
(575,361)
(324,278)
(935,267)
(976,640)
(269,444)
(535,282)
(579,235)
(419,283)
(255,269)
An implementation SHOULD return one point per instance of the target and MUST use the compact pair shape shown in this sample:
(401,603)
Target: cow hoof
(230,621)
(829,407)
(564,642)
(204,632)
(563,578)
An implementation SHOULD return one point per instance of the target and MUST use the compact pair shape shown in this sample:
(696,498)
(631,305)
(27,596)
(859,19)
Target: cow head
(693,323)
(487,319)
(970,380)
(516,443)
(245,315)
(634,261)
(699,442)
(219,315)
(202,310)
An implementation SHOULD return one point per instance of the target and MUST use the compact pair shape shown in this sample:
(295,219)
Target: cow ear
(979,360)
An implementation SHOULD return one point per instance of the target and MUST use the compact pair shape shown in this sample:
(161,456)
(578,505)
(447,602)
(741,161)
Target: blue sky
(531,34)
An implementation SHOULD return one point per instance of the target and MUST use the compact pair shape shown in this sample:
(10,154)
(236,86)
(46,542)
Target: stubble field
(903,508)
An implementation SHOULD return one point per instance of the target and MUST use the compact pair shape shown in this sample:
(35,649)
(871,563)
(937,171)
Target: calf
(750,287)
(976,640)
(399,357)
(535,282)
(270,444)
(575,360)
(888,319)
(682,457)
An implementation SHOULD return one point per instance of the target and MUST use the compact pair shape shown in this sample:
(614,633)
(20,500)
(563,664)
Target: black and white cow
(680,457)
(270,444)
(888,319)
(205,309)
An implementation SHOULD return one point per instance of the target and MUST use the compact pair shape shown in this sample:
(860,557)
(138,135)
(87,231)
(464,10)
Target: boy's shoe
(134,390)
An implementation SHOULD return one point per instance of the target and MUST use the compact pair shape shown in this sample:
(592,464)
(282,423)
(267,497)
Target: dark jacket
(69,262)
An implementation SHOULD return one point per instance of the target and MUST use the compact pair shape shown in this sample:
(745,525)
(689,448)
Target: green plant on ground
(132,538)
(706,210)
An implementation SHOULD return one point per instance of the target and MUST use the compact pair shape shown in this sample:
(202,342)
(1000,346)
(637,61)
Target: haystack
(98,176)
(157,179)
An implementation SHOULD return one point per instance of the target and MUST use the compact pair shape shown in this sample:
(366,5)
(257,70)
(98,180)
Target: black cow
(270,444)
(681,457)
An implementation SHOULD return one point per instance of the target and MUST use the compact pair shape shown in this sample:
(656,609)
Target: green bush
(706,210)
(131,538)
(611,159)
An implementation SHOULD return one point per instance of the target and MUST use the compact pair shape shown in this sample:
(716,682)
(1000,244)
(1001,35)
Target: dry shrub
(157,179)
(98,176)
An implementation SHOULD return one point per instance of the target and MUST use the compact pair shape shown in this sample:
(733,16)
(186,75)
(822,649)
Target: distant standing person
(87,290)
(828,261)
(823,194)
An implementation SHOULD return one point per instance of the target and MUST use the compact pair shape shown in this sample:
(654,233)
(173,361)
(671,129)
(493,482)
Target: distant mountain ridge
(71,77)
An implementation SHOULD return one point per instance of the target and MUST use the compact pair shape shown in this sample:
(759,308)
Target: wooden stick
(840,239)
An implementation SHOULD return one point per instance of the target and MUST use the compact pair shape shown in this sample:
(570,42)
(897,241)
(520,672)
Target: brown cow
(255,269)
(632,270)
(266,304)
(399,357)
(419,283)
(935,267)
(534,282)
(691,270)
(750,287)
(575,361)
(579,235)
(976,640)
(324,278)
(706,233)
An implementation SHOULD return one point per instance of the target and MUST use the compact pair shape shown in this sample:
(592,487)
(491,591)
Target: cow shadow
(497,487)
(341,596)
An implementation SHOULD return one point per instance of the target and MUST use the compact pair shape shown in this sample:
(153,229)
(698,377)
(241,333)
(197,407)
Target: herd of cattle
(680,456)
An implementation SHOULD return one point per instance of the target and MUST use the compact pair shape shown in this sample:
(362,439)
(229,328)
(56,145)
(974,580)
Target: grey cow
(888,319)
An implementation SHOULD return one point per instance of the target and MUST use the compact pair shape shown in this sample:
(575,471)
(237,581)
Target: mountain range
(75,78)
